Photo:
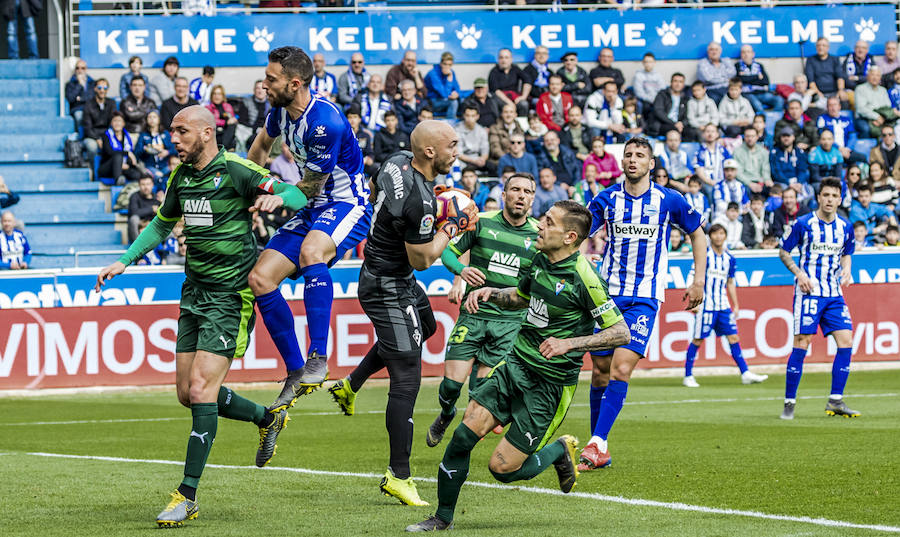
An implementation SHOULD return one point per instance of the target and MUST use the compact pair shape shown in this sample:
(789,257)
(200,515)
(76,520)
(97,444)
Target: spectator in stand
(474,147)
(825,73)
(117,158)
(201,87)
(696,199)
(538,71)
(136,106)
(576,135)
(364,137)
(477,191)
(500,133)
(226,121)
(390,139)
(774,200)
(575,79)
(8,198)
(661,177)
(752,161)
(701,111)
(135,63)
(142,207)
(842,130)
(517,158)
(603,112)
(605,72)
(871,102)
(251,113)
(488,107)
(790,166)
(854,179)
(509,84)
(812,102)
(735,111)
(162,84)
(15,252)
(408,107)
(534,136)
(714,73)
(285,166)
(676,161)
(323,82)
(547,192)
(353,81)
(887,152)
(806,135)
(669,109)
(730,190)
(443,87)
(888,63)
(894,91)
(179,256)
(647,83)
(755,82)
(588,187)
(608,171)
(884,188)
(876,217)
(861,235)
(788,213)
(405,70)
(176,103)
(26,11)
(677,242)
(710,159)
(632,119)
(79,90)
(759,123)
(562,160)
(825,160)
(757,223)
(892,236)
(373,103)
(553,105)
(856,65)
(96,117)
(153,148)
(734,227)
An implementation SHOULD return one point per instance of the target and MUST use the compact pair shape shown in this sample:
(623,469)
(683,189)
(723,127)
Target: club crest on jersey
(329,215)
(506,264)
(639,326)
(527,242)
(650,210)
(537,313)
(560,285)
(197,212)
(320,131)
(217,179)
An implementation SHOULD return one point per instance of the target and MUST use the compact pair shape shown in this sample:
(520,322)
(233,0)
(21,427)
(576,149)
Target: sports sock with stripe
(534,464)
(448,394)
(794,372)
(279,321)
(689,358)
(595,398)
(840,370)
(234,407)
(613,400)
(738,356)
(203,432)
(318,294)
(453,470)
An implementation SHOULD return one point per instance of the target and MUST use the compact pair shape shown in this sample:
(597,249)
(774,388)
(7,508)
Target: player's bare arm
(262,146)
(803,280)
(422,256)
(508,299)
(312,183)
(732,295)
(694,293)
(609,338)
(846,275)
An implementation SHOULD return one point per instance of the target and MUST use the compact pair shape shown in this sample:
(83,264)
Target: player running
(638,215)
(335,220)
(531,388)
(500,251)
(825,242)
(715,315)
(215,193)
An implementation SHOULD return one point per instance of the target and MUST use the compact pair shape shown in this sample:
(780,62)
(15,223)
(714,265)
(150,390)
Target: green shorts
(486,340)
(512,393)
(218,322)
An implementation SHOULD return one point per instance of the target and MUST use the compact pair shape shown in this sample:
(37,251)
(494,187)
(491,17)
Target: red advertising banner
(135,345)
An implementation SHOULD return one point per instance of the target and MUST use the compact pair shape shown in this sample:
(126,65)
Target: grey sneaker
(432,523)
(178,510)
(840,408)
(268,436)
(788,412)
(566,468)
(302,381)
(436,431)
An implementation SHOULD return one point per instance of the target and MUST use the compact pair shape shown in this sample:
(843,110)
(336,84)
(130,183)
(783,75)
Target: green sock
(448,393)
(235,407)
(535,464)
(453,470)
(203,432)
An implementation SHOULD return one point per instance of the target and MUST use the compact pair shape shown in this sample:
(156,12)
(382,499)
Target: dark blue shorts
(811,312)
(721,322)
(640,316)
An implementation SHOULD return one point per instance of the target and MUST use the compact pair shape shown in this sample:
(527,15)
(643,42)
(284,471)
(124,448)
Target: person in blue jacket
(443,88)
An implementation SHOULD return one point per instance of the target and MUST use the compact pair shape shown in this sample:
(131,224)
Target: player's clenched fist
(455,211)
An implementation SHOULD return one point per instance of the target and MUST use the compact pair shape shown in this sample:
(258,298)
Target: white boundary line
(674,506)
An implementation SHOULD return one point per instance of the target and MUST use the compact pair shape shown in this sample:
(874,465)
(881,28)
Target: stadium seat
(864,145)
(771,119)
(690,148)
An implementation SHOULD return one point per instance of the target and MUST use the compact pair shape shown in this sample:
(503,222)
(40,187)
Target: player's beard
(283,98)
(638,176)
(443,167)
(515,213)
(193,154)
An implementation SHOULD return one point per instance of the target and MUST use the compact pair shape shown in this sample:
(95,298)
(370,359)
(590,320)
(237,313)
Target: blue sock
(279,321)
(613,400)
(689,359)
(840,370)
(738,356)
(794,372)
(596,397)
(318,294)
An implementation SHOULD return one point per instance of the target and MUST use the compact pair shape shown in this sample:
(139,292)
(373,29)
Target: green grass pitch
(717,448)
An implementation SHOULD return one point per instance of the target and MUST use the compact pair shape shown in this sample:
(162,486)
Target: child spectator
(730,190)
(201,88)
(632,119)
(892,236)
(677,242)
(135,63)
(696,199)
(735,111)
(770,242)
(733,226)
(477,191)
(390,139)
(757,223)
(701,111)
(861,235)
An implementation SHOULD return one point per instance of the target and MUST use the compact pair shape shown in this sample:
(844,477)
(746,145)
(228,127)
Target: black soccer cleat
(840,408)
(268,436)
(302,381)
(566,468)
(432,523)
(436,430)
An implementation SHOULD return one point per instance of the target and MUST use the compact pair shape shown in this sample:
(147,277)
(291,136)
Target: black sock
(405,370)
(370,364)
(188,492)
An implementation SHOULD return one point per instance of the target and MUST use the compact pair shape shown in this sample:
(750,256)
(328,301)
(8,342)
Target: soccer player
(825,241)
(715,315)
(410,230)
(638,215)
(500,250)
(336,220)
(214,191)
(531,388)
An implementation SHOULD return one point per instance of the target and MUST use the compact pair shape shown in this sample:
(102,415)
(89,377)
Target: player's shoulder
(531,224)
(397,174)
(325,112)
(846,221)
(239,167)
(805,219)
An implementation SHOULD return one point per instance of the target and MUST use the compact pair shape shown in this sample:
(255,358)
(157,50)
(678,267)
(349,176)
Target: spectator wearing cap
(790,165)
(201,87)
(136,106)
(562,160)
(353,81)
(79,90)
(15,252)
(752,160)
(729,189)
(474,147)
(755,82)
(576,81)
(538,71)
(487,105)
(825,72)
(871,102)
(669,109)
(135,63)
(500,133)
(554,104)
(508,83)
(517,158)
(405,70)
(605,72)
(647,83)
(162,84)
(443,87)
(408,106)
(735,111)
(180,100)
(95,120)
(806,135)
(714,73)
(8,198)
(888,63)
(856,65)
(323,82)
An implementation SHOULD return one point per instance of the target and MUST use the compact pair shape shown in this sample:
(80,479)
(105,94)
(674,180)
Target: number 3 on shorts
(459,334)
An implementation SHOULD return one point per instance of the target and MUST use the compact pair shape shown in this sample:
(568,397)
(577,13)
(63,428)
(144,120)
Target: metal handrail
(60,43)
(96,252)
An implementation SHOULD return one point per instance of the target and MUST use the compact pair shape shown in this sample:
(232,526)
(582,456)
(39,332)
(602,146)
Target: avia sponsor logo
(537,313)
(635,231)
(396,178)
(197,212)
(825,248)
(505,264)
(59,295)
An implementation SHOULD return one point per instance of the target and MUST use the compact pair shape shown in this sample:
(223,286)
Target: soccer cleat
(566,469)
(436,431)
(432,523)
(592,458)
(402,489)
(749,377)
(302,381)
(840,408)
(690,382)
(267,437)
(345,397)
(788,412)
(178,510)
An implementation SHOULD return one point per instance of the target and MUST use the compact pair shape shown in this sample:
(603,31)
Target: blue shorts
(346,223)
(811,312)
(721,322)
(640,316)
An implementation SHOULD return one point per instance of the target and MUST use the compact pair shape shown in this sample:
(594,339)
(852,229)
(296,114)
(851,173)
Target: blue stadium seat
(864,145)
(771,119)
(690,148)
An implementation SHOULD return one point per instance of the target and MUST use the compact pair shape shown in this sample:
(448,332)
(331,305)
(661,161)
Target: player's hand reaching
(693,295)
(554,347)
(108,273)
(476,297)
(805,284)
(846,279)
(473,276)
(266,203)
(457,290)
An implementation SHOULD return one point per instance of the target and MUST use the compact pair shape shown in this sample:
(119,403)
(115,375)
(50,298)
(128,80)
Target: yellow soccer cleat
(566,468)
(402,489)
(345,397)
(178,510)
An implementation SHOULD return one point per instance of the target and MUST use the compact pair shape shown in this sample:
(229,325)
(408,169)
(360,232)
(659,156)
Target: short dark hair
(892,228)
(117,113)
(831,182)
(133,59)
(294,62)
(170,61)
(758,197)
(426,108)
(390,113)
(694,179)
(676,74)
(209,70)
(551,77)
(470,169)
(577,218)
(777,188)
(648,55)
(507,169)
(354,109)
(733,205)
(640,141)
(717,227)
(735,81)
(608,82)
(698,83)
(520,175)
(864,187)
(99,80)
(468,107)
(859,223)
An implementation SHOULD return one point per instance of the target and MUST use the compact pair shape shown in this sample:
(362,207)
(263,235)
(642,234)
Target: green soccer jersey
(502,252)
(566,299)
(221,248)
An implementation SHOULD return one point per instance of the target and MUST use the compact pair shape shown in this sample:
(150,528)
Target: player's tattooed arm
(508,299)
(803,281)
(608,338)
(312,183)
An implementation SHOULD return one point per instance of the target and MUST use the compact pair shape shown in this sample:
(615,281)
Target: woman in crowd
(608,170)
(117,158)
(226,121)
(153,149)
(884,188)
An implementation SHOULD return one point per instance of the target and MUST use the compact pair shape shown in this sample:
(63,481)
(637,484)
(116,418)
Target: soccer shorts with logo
(640,316)
(346,223)
(486,340)
(721,322)
(399,311)
(811,312)
(534,407)
(218,322)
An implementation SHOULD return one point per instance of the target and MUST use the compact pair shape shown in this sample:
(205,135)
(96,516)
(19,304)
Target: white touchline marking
(675,506)
(79,422)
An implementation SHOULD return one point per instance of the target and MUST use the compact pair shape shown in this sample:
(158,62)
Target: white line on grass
(674,506)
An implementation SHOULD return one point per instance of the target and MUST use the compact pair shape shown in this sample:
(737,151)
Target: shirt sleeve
(523,288)
(791,237)
(596,300)
(324,147)
(170,210)
(418,219)
(598,213)
(849,242)
(732,268)
(272,128)
(683,215)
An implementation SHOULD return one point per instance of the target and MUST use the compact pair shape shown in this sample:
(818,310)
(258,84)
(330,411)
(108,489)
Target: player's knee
(621,372)
(502,470)
(184,397)
(311,255)
(406,375)
(259,283)
(801,341)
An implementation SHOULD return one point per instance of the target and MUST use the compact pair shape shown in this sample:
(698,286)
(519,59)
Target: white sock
(836,397)
(599,442)
(790,401)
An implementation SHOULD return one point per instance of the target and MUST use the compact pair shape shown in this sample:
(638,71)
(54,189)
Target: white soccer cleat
(690,382)
(749,377)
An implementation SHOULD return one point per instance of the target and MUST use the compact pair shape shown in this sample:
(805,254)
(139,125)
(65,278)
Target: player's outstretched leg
(792,381)
(405,373)
(596,453)
(689,358)
(747,376)
(840,370)
(344,391)
(448,394)
(234,407)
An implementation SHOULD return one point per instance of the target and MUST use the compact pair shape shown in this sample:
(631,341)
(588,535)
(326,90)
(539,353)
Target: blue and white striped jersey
(699,203)
(322,140)
(821,245)
(727,191)
(14,247)
(635,258)
(719,269)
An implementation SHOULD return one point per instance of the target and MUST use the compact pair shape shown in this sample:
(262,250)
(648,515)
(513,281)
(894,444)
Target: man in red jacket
(553,106)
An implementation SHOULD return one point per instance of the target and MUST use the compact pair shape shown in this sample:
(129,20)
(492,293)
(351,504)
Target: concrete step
(27,69)
(29,87)
(27,143)
(37,106)
(63,216)
(33,188)
(70,204)
(24,124)
(22,174)
(32,156)
(70,234)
